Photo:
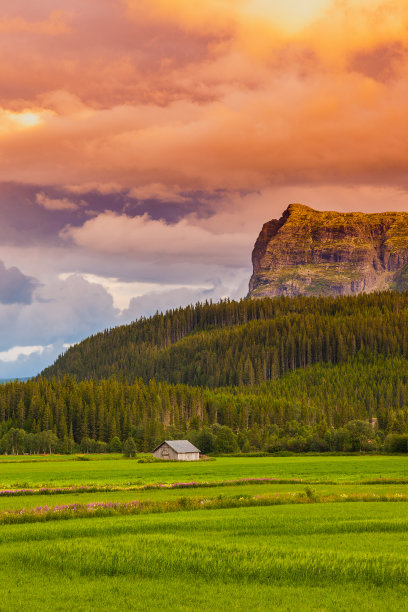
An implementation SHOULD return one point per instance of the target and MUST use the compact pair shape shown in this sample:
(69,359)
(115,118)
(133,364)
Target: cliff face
(310,252)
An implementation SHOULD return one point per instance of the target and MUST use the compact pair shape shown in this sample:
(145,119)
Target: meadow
(107,469)
(315,554)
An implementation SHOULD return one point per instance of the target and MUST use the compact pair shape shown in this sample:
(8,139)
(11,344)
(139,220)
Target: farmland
(310,551)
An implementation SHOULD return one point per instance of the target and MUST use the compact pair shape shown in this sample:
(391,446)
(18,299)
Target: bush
(148,460)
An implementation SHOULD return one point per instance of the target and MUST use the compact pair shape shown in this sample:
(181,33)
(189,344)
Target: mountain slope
(242,343)
(311,252)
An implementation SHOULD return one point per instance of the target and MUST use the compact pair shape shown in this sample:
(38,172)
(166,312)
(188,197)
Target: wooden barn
(177,450)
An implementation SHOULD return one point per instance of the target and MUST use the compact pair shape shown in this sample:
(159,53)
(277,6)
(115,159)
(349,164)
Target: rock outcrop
(310,252)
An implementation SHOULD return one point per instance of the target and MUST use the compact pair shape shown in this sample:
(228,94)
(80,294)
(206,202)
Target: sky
(143,143)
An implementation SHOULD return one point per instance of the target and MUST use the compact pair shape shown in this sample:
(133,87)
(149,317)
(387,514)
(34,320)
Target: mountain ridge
(310,252)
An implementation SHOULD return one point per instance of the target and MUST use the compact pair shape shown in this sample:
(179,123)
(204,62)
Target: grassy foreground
(322,557)
(308,554)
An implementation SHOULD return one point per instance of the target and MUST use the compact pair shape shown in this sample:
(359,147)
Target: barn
(177,450)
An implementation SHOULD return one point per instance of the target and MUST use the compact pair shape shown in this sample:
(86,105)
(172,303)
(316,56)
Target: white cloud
(30,365)
(123,292)
(67,345)
(14,353)
(64,312)
(147,304)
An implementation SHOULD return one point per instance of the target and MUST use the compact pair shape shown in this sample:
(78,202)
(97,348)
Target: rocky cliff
(310,252)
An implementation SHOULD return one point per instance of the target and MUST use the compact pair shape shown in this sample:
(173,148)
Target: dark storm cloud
(15,287)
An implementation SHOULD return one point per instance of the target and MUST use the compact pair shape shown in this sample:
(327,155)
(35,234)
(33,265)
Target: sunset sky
(144,143)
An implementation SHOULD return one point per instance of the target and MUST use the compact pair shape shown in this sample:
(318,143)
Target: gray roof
(180,446)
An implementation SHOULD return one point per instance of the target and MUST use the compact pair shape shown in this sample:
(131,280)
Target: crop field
(288,542)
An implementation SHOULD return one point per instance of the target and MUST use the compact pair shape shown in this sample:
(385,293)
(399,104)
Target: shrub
(150,459)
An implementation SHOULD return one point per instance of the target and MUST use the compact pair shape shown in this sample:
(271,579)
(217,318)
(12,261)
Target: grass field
(312,556)
(54,472)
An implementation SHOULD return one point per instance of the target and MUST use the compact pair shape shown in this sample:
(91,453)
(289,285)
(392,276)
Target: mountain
(310,252)
(242,343)
(296,374)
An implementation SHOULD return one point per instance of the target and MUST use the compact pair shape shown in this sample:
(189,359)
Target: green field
(60,471)
(311,556)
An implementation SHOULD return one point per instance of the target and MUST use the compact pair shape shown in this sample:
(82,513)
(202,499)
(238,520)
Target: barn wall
(165,452)
(189,457)
(172,454)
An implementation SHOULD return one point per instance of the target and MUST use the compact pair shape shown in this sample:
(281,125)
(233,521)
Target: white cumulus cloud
(16,352)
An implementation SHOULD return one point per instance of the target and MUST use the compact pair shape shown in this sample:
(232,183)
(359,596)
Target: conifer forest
(270,375)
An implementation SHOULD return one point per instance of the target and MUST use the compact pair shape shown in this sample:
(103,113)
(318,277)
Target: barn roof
(180,446)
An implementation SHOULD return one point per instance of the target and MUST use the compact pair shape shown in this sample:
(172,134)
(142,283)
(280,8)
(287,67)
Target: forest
(272,375)
(242,343)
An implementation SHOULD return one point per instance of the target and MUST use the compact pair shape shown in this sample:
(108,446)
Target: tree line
(356,436)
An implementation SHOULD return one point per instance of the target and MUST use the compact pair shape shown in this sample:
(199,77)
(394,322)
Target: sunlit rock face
(310,252)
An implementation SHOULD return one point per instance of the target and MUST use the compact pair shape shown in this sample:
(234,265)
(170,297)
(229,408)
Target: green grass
(331,557)
(119,471)
(316,556)
(31,501)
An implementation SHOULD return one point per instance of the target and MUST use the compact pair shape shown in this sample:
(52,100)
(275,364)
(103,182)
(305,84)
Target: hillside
(289,373)
(242,343)
(295,411)
(310,252)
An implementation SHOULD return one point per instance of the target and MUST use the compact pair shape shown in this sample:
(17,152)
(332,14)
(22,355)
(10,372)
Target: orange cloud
(236,95)
(55,24)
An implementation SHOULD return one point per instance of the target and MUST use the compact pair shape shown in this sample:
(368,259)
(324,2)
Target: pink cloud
(158,191)
(145,238)
(55,204)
